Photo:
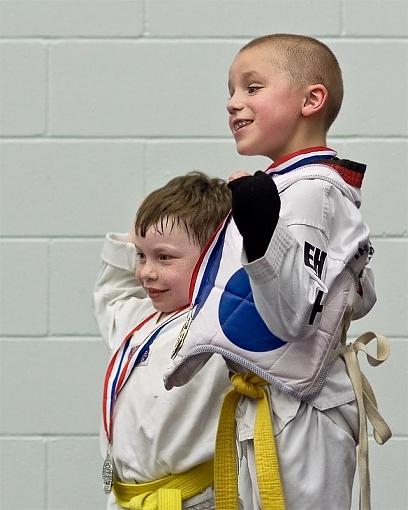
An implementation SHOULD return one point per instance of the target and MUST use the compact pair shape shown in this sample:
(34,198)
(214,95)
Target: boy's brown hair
(307,61)
(195,202)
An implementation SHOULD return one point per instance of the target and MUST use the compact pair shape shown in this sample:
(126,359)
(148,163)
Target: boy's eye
(163,256)
(141,256)
(253,88)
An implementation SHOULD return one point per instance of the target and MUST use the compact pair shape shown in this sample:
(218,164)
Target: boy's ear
(315,99)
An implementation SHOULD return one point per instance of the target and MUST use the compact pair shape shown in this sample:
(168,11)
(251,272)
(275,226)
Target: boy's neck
(162,316)
(309,134)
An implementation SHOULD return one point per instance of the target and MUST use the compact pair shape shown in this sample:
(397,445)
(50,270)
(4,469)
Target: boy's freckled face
(165,264)
(264,107)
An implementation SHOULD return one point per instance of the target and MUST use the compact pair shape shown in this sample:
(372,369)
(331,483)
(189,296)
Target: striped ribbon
(122,363)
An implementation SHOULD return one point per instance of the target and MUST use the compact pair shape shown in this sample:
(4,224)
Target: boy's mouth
(239,124)
(154,293)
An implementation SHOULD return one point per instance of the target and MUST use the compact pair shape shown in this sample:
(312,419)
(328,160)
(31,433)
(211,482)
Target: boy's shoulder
(305,202)
(311,185)
(321,175)
(312,195)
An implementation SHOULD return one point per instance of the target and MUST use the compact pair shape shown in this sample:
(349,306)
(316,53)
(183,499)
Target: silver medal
(107,473)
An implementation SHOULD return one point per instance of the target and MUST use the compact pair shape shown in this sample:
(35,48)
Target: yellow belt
(266,457)
(166,493)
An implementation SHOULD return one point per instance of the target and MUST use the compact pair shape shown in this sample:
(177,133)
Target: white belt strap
(367,405)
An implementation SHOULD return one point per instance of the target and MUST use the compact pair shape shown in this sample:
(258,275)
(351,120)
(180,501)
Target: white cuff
(119,253)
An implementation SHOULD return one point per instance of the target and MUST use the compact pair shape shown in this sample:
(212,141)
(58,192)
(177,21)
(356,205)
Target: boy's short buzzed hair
(196,202)
(307,61)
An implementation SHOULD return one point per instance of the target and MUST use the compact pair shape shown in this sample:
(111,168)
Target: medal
(183,333)
(107,472)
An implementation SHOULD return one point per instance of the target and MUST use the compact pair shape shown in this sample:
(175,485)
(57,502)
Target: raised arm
(119,301)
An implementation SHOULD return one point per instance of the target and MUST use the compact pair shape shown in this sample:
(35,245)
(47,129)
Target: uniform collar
(300,158)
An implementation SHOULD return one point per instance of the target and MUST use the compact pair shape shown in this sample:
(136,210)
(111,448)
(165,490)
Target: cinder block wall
(102,101)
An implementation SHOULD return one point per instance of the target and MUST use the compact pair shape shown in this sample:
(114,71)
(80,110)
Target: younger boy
(304,248)
(141,301)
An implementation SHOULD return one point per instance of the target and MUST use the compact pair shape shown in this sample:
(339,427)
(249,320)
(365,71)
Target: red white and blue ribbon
(123,362)
(207,267)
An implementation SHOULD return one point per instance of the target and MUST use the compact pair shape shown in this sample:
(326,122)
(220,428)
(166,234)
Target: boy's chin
(167,309)
(245,151)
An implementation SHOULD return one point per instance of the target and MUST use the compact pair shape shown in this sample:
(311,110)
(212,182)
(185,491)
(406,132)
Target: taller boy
(305,251)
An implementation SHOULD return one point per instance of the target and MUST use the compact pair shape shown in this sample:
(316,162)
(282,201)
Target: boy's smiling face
(166,259)
(265,108)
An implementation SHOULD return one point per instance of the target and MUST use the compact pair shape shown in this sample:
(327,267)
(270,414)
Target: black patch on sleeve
(314,258)
(317,307)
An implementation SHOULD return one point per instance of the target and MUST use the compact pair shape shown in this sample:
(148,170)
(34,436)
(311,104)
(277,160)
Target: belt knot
(249,384)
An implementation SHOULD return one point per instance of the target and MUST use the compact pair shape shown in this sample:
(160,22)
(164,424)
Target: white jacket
(315,271)
(155,432)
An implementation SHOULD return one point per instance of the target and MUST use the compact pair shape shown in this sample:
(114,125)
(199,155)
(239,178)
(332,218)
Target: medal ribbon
(122,363)
(206,269)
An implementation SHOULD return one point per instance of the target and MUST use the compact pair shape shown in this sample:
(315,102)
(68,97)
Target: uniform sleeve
(314,245)
(119,301)
(366,293)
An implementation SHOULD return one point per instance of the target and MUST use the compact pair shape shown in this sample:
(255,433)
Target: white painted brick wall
(23,88)
(102,101)
(71,18)
(239,18)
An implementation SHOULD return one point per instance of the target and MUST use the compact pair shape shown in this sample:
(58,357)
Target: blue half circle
(240,320)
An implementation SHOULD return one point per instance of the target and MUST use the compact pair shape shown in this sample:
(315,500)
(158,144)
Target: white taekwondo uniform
(155,432)
(314,272)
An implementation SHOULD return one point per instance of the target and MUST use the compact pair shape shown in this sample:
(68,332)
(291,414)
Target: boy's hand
(255,209)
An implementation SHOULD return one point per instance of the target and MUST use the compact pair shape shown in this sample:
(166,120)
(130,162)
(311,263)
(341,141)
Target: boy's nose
(148,272)
(234,104)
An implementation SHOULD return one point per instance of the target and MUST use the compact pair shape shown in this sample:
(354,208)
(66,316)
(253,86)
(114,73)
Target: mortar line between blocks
(144,19)
(144,162)
(46,477)
(205,39)
(47,90)
(48,300)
